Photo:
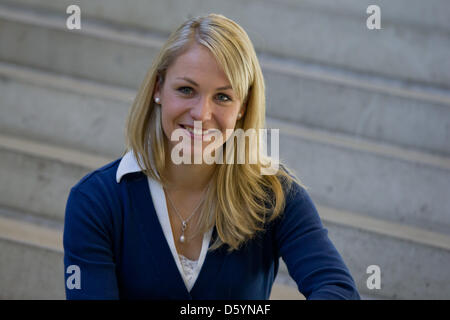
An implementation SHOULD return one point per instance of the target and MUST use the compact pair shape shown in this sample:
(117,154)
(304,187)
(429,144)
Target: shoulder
(296,194)
(101,178)
(294,191)
(97,190)
(93,203)
(299,209)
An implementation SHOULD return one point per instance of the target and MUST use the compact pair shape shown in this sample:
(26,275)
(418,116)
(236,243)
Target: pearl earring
(157,100)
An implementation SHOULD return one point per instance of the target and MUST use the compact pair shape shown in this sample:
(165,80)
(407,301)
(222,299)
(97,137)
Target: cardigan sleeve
(311,258)
(88,260)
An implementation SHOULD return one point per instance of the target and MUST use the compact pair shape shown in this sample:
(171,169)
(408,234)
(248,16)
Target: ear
(243,108)
(242,111)
(158,86)
(244,105)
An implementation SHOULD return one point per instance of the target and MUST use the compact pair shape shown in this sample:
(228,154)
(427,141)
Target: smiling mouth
(198,132)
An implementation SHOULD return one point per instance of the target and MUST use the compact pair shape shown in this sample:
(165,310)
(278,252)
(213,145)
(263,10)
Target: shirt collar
(129,164)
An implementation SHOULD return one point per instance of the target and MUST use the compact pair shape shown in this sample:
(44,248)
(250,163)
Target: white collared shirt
(188,269)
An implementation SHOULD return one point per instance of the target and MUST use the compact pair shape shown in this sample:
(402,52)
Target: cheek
(226,118)
(171,110)
(227,123)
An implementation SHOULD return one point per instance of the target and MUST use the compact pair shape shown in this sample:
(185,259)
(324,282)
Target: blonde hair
(240,201)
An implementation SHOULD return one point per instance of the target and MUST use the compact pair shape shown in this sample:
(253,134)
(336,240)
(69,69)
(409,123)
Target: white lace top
(189,269)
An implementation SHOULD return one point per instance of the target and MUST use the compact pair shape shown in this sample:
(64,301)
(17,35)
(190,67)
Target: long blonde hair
(240,201)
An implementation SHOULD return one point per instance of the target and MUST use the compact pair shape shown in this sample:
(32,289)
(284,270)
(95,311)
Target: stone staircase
(364,119)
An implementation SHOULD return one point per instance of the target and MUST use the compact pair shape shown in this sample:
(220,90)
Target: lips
(196,131)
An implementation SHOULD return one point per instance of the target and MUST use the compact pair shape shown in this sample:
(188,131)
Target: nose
(202,110)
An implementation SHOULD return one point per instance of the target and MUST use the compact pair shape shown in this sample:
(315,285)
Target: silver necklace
(184,222)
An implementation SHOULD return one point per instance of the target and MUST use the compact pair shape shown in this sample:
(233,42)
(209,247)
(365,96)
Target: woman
(148,227)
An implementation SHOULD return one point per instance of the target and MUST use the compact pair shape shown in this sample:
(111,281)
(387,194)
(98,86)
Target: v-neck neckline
(160,205)
(153,233)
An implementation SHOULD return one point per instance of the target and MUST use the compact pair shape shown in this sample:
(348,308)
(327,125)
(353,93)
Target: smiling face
(196,88)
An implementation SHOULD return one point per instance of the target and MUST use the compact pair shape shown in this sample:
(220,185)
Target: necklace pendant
(182,238)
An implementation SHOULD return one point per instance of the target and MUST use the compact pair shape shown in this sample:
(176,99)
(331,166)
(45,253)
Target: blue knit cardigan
(114,248)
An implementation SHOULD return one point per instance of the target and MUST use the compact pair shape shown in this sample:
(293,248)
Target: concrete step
(381,109)
(324,32)
(431,14)
(388,111)
(32,265)
(409,269)
(409,12)
(374,179)
(97,55)
(37,177)
(413,253)
(64,112)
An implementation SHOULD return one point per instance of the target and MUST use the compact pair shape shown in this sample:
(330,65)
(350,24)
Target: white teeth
(197,131)
(192,130)
(210,131)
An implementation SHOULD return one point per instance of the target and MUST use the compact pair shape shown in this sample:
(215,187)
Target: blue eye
(224,95)
(188,91)
(182,90)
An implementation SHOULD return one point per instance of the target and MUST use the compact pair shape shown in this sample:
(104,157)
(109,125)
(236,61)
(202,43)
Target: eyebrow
(196,84)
